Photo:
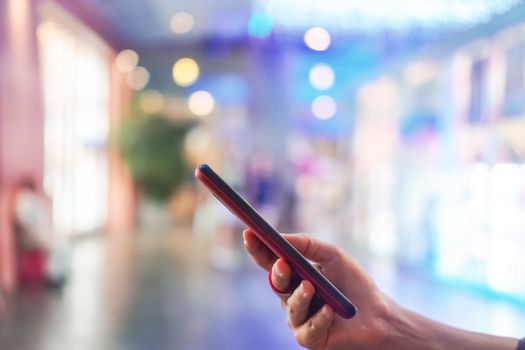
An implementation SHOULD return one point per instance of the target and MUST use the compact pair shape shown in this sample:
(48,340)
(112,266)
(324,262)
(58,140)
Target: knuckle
(338,252)
(291,310)
(294,309)
(301,339)
(303,235)
(311,325)
(293,302)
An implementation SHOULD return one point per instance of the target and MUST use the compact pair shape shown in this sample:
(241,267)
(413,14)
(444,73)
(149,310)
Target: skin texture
(379,324)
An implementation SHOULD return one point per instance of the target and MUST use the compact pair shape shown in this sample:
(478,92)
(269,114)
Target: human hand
(369,329)
(379,324)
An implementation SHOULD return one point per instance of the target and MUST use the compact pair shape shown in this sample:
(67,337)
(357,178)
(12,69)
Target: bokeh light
(138,78)
(198,145)
(260,25)
(317,39)
(324,107)
(182,22)
(321,76)
(201,103)
(185,71)
(152,101)
(127,60)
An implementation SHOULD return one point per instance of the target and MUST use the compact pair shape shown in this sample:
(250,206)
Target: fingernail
(324,311)
(302,291)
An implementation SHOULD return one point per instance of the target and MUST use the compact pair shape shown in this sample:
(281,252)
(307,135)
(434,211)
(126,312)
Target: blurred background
(395,131)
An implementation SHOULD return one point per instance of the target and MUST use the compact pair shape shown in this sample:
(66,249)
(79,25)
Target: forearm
(412,331)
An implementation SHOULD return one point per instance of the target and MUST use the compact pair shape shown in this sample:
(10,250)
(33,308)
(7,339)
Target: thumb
(311,248)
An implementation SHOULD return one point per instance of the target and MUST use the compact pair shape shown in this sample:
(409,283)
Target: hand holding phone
(326,292)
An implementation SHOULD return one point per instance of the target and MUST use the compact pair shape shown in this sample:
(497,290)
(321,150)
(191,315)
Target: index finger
(263,256)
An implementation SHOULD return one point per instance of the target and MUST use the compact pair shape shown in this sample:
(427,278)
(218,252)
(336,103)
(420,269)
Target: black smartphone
(325,291)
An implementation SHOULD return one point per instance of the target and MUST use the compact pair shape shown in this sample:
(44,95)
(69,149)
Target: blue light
(260,25)
(377,15)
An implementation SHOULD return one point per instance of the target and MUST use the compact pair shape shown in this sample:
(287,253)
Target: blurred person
(32,227)
(261,181)
(379,324)
(287,219)
(42,254)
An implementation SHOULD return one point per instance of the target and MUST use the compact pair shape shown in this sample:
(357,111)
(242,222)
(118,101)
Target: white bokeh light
(324,107)
(182,22)
(321,76)
(138,78)
(201,103)
(317,39)
(127,60)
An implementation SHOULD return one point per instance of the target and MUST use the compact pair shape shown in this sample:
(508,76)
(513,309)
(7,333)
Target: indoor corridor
(393,130)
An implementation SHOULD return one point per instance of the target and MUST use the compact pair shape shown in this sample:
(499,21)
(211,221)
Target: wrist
(411,331)
(407,330)
(391,327)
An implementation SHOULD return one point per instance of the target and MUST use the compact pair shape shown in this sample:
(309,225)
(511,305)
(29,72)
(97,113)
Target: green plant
(152,149)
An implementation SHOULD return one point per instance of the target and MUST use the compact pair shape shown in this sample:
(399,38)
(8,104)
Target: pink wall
(21,118)
(22,126)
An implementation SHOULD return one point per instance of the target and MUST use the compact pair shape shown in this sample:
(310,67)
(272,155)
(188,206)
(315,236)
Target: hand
(379,324)
(369,329)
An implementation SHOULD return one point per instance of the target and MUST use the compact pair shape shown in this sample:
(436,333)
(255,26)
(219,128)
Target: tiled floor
(158,292)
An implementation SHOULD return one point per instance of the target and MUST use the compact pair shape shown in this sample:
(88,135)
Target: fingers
(310,332)
(313,334)
(312,249)
(298,304)
(281,274)
(260,253)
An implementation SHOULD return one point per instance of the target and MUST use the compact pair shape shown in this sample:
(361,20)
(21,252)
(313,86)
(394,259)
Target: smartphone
(325,291)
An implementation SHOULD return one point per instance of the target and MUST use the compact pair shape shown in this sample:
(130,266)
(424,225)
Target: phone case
(326,292)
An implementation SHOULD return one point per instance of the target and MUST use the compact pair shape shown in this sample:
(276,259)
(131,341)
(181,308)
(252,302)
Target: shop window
(75,76)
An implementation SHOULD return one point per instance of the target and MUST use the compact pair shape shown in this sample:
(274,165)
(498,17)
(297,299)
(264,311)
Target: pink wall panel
(21,118)
(22,127)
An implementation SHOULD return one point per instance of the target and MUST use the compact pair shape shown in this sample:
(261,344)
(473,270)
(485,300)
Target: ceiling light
(324,107)
(201,103)
(260,25)
(127,60)
(182,22)
(321,76)
(138,78)
(185,71)
(317,38)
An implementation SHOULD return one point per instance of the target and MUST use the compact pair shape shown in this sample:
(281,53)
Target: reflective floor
(157,291)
